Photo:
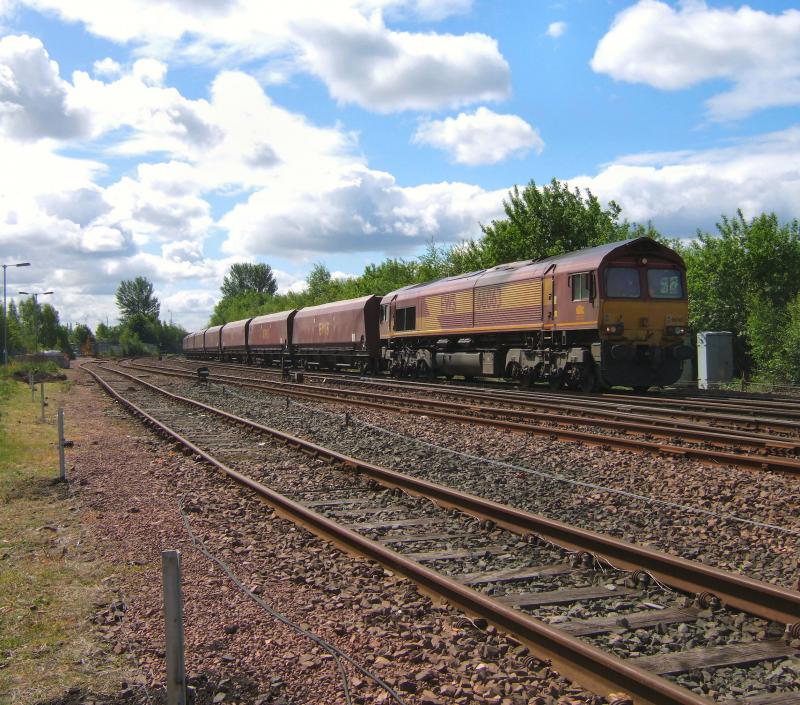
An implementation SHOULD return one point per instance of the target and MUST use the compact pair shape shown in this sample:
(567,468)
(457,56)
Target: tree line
(743,278)
(33,326)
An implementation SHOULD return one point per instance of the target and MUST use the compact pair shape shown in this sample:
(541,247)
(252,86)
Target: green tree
(106,333)
(551,220)
(135,297)
(170,338)
(50,334)
(30,312)
(14,335)
(742,279)
(788,367)
(80,334)
(245,277)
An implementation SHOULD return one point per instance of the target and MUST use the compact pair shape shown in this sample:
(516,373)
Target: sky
(172,138)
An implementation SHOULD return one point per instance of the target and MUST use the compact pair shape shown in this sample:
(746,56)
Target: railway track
(740,448)
(769,421)
(550,585)
(710,403)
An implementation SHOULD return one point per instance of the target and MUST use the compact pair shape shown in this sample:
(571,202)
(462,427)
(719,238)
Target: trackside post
(62,467)
(173,619)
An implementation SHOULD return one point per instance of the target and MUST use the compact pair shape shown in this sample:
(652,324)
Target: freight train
(613,315)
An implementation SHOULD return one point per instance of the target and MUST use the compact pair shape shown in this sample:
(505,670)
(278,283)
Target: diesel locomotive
(613,315)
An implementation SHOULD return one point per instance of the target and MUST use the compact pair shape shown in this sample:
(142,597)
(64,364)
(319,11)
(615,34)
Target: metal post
(173,618)
(62,466)
(33,386)
(43,401)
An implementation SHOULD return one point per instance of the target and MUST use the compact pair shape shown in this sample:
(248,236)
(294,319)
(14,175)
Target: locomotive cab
(643,318)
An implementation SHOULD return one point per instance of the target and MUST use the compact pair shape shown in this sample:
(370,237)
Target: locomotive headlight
(614,329)
(676,330)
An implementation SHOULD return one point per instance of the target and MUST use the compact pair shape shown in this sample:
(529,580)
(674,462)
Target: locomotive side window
(384,313)
(664,283)
(405,318)
(623,283)
(580,287)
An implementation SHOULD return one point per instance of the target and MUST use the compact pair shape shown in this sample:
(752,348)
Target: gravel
(766,497)
(308,480)
(130,483)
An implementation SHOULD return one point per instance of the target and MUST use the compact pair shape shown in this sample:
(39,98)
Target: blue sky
(171,139)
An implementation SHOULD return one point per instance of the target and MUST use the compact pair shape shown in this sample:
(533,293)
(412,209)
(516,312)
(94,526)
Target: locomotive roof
(588,258)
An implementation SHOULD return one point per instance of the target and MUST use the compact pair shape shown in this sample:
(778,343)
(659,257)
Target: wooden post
(41,388)
(33,386)
(62,466)
(173,619)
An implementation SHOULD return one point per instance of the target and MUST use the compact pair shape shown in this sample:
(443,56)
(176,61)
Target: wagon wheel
(555,381)
(640,389)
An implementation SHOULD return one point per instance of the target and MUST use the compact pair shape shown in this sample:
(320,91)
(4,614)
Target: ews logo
(488,299)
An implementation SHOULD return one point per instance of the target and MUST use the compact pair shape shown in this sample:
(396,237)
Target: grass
(49,587)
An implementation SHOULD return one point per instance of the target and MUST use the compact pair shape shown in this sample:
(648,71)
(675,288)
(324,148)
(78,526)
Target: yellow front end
(642,342)
(650,321)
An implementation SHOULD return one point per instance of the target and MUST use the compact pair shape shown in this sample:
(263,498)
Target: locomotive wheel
(640,389)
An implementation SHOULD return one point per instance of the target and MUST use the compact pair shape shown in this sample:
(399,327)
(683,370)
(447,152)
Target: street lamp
(36,295)
(5,310)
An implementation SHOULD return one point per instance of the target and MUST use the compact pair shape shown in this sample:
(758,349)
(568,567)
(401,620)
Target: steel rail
(753,596)
(423,407)
(578,661)
(683,403)
(597,405)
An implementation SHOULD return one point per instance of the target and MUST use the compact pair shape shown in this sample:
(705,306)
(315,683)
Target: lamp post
(36,295)
(5,310)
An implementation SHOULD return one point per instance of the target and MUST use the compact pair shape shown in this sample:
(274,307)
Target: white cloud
(556,29)
(483,137)
(368,64)
(355,210)
(34,100)
(673,48)
(345,43)
(107,67)
(435,10)
(685,190)
(102,238)
(151,72)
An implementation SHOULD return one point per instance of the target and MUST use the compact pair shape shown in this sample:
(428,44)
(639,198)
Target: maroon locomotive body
(610,315)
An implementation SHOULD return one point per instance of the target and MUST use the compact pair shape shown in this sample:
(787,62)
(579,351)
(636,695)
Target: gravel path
(758,551)
(129,484)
